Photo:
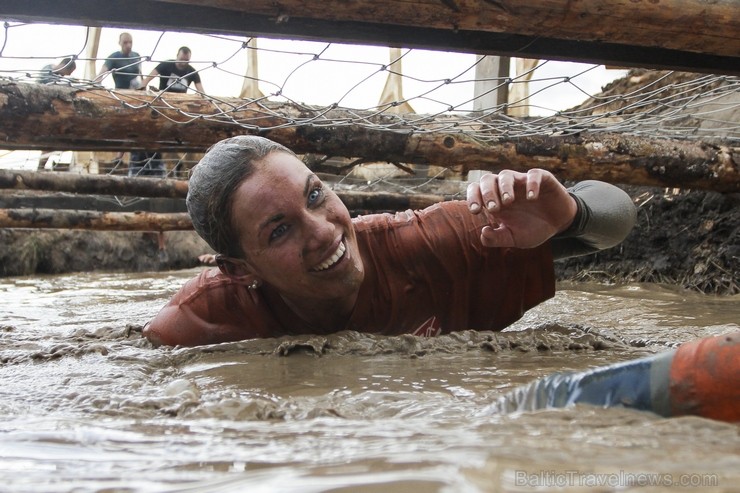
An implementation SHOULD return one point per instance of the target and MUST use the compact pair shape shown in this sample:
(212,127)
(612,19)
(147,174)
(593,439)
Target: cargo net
(416,90)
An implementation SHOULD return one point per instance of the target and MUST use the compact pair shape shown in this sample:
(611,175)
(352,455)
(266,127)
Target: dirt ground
(26,252)
(689,239)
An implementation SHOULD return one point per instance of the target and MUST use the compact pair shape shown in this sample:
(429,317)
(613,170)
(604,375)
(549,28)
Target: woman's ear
(232,267)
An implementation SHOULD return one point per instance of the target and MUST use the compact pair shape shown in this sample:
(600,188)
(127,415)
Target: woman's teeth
(333,259)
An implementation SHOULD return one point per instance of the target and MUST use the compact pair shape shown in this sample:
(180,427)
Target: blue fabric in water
(639,384)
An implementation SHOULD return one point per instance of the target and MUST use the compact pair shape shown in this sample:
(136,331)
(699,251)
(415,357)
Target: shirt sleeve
(194,76)
(209,309)
(605,217)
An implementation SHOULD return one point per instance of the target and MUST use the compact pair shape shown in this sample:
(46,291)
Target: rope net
(417,90)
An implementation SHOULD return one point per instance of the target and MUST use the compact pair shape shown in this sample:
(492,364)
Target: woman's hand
(207,258)
(523,210)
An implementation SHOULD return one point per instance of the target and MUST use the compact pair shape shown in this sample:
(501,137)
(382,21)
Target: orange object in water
(705,378)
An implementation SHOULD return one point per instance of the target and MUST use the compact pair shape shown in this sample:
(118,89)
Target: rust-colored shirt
(426,273)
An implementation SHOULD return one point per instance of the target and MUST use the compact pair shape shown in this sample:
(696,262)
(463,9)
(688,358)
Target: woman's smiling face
(295,233)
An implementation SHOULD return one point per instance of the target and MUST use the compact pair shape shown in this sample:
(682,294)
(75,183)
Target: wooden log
(384,201)
(691,25)
(149,221)
(34,116)
(101,221)
(92,184)
(692,35)
(147,187)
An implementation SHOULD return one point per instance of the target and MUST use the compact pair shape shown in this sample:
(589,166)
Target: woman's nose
(319,231)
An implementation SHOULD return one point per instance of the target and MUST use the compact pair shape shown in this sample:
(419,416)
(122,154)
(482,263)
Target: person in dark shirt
(176,75)
(125,65)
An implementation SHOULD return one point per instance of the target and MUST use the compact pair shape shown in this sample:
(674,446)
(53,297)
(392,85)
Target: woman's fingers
(534,181)
(484,194)
(507,181)
(497,236)
(474,199)
(496,191)
(489,191)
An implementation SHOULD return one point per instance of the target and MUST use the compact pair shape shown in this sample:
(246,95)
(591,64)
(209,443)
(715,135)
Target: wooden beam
(95,220)
(38,218)
(150,187)
(92,184)
(690,35)
(34,116)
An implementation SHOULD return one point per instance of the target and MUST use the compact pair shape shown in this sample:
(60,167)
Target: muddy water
(87,405)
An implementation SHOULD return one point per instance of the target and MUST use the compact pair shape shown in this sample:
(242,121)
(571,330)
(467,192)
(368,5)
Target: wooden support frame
(689,35)
(43,218)
(31,116)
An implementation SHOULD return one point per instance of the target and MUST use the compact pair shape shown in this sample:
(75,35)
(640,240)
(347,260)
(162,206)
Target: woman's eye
(278,232)
(315,195)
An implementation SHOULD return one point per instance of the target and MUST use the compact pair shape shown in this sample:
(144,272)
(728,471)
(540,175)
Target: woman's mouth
(333,259)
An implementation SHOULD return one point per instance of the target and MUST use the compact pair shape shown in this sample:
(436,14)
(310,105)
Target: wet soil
(26,252)
(685,238)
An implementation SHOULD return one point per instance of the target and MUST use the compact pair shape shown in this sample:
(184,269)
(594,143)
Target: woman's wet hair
(212,185)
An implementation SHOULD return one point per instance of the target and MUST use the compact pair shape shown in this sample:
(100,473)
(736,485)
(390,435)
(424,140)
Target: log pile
(41,117)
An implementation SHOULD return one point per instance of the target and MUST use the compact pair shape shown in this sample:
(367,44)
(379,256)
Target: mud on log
(42,117)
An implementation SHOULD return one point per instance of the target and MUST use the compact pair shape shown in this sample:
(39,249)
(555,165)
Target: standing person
(53,73)
(176,75)
(125,65)
(292,261)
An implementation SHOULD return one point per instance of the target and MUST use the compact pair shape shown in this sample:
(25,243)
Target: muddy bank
(27,252)
(689,239)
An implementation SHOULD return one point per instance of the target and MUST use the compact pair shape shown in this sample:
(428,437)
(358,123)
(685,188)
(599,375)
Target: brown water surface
(87,405)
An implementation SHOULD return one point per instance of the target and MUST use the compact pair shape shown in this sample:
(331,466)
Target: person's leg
(705,378)
(698,378)
(152,164)
(136,163)
(156,165)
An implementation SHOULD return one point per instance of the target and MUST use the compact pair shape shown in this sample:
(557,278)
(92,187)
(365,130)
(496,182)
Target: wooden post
(519,90)
(250,86)
(393,89)
(491,89)
(91,52)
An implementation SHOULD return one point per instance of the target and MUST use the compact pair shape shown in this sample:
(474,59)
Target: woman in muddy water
(292,261)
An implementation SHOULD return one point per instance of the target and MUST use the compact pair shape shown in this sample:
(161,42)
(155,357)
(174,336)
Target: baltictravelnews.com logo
(561,479)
